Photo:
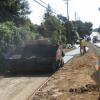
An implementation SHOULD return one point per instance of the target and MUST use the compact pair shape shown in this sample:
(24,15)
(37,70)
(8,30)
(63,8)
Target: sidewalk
(69,55)
(97,44)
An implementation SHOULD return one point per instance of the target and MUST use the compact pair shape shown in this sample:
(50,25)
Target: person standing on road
(85,44)
(82,46)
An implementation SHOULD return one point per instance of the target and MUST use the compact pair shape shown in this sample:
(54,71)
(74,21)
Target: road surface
(20,88)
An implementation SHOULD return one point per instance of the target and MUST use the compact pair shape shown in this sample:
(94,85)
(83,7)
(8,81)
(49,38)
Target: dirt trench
(77,80)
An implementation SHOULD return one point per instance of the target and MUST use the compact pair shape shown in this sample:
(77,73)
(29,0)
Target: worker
(82,46)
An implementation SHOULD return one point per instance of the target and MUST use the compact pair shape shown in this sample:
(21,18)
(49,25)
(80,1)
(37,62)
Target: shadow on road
(25,74)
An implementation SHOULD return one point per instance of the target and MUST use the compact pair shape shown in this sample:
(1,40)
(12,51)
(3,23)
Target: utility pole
(67,9)
(67,3)
(75,22)
(75,27)
(67,22)
(75,16)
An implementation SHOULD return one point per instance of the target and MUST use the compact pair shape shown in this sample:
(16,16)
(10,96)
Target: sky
(86,10)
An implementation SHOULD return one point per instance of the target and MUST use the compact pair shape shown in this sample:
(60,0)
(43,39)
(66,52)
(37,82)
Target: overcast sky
(86,10)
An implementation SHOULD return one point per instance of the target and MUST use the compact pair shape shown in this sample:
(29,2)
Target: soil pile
(75,81)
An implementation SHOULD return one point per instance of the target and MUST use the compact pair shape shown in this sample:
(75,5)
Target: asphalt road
(20,87)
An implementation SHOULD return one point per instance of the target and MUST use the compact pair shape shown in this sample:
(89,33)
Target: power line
(53,8)
(44,2)
(43,5)
(40,4)
(47,5)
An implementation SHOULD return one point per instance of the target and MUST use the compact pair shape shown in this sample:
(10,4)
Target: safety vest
(82,43)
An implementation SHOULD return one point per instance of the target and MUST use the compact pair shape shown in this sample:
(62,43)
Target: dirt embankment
(75,81)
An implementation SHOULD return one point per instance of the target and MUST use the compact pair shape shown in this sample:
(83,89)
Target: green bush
(12,36)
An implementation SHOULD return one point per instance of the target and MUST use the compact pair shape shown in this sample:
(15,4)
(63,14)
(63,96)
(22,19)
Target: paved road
(20,88)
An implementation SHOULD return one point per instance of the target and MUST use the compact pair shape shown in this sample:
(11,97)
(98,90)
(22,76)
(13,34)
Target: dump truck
(38,55)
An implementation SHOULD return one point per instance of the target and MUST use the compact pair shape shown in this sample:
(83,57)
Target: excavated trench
(96,75)
(79,79)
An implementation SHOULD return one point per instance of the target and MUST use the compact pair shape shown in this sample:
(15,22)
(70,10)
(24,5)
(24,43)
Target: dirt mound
(87,60)
(74,81)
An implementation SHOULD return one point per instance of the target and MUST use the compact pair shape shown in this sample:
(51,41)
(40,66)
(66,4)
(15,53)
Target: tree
(41,29)
(12,37)
(70,32)
(52,28)
(99,29)
(83,28)
(48,12)
(13,10)
(62,18)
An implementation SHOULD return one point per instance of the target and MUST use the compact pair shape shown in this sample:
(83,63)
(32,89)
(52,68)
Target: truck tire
(54,66)
(61,63)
